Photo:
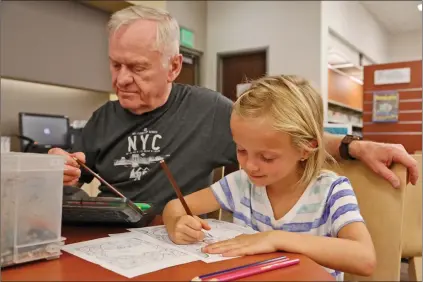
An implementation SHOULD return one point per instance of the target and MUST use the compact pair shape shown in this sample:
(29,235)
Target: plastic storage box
(31,207)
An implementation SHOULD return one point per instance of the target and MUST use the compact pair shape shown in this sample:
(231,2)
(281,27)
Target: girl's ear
(305,153)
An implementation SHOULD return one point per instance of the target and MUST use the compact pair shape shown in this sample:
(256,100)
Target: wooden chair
(382,208)
(412,229)
(219,173)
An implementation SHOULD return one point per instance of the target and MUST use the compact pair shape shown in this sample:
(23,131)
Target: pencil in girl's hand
(249,271)
(175,187)
(179,193)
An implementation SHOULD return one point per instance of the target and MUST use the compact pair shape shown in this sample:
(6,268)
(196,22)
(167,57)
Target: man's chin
(134,107)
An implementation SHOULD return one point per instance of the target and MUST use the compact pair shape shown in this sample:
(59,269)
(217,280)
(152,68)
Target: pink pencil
(245,272)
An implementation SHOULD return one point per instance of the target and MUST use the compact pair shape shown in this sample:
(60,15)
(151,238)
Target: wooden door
(189,71)
(239,68)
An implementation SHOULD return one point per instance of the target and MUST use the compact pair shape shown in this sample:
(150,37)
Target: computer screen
(45,130)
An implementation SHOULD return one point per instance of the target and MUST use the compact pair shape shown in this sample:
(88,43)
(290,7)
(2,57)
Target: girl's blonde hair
(293,106)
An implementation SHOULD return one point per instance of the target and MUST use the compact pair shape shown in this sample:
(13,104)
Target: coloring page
(220,230)
(128,255)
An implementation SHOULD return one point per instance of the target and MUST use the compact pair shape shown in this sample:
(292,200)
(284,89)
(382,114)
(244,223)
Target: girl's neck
(288,185)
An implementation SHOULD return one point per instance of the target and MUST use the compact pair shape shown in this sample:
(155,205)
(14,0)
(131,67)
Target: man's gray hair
(167,27)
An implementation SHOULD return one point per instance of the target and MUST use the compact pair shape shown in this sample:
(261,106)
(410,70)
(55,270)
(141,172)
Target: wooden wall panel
(408,130)
(403,117)
(343,90)
(404,95)
(416,76)
(403,106)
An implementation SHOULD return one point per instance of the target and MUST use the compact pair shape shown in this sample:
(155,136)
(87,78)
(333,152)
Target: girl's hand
(258,243)
(187,229)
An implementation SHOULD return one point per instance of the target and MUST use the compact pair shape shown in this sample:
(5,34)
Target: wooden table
(71,268)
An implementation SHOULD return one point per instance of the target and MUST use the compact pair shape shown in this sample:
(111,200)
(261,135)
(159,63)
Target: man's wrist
(349,148)
(355,149)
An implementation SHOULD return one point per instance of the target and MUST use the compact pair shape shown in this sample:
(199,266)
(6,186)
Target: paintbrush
(107,184)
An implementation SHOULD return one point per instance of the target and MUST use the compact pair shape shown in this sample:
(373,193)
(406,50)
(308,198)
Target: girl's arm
(184,229)
(200,202)
(351,252)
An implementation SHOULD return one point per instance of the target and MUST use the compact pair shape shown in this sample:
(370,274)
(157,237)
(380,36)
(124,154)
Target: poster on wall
(385,106)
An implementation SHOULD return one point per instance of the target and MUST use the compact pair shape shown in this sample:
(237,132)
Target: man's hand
(380,156)
(72,172)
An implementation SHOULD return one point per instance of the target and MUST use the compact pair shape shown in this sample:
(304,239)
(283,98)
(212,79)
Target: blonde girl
(281,189)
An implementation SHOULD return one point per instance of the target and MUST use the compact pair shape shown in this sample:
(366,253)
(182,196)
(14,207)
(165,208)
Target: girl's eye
(240,151)
(267,160)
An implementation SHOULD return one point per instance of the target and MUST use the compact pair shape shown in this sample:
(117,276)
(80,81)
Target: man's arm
(332,143)
(378,156)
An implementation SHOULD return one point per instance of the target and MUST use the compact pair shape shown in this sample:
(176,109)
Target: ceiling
(396,16)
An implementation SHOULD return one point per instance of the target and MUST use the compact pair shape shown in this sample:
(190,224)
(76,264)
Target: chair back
(382,208)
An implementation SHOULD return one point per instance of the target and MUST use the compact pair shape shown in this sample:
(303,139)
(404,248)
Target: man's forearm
(331,143)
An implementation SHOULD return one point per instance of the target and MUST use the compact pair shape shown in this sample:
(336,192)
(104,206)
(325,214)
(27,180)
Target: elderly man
(188,126)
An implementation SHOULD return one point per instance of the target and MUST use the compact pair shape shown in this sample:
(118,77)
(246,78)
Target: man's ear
(175,67)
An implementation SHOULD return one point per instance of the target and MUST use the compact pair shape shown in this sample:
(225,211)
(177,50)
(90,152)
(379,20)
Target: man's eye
(139,68)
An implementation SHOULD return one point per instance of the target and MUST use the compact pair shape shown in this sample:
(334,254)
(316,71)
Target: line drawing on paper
(118,253)
(220,231)
(160,233)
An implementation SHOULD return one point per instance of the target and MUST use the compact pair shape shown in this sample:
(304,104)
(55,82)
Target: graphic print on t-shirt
(143,150)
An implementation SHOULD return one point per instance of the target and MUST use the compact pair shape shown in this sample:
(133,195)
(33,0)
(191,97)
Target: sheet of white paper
(128,255)
(220,230)
(121,234)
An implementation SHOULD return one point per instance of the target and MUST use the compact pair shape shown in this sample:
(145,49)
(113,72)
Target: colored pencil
(175,187)
(245,272)
(179,193)
(240,267)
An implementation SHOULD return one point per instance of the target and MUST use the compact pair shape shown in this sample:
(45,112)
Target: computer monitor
(47,131)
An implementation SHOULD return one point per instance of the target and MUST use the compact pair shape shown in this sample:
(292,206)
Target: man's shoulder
(106,109)
(200,93)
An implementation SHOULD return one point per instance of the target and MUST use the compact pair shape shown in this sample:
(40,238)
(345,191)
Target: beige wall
(19,96)
(234,26)
(193,16)
(405,47)
(55,42)
(351,21)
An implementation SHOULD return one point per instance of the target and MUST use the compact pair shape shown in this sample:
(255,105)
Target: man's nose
(124,77)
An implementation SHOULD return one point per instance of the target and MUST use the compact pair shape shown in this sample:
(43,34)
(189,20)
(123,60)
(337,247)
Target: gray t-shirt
(191,132)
